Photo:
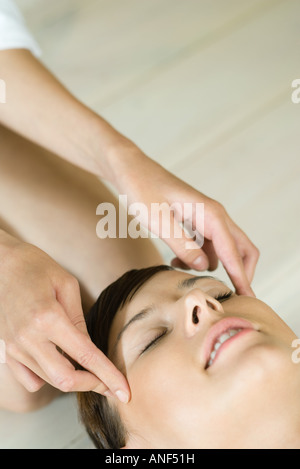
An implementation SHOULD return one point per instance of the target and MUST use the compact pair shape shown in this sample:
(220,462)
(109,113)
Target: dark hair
(102,422)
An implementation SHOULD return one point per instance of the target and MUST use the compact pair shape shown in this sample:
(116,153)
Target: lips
(222,333)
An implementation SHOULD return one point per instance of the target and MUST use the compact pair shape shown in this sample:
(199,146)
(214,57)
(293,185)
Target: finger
(73,306)
(231,259)
(81,349)
(70,299)
(209,250)
(29,380)
(249,252)
(250,265)
(185,247)
(177,263)
(61,374)
(84,352)
(52,368)
(250,260)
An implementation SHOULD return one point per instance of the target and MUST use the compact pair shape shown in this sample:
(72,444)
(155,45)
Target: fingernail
(200,263)
(108,394)
(122,396)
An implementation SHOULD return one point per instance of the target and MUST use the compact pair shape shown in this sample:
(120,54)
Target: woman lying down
(206,368)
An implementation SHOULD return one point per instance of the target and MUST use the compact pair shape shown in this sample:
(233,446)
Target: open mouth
(221,335)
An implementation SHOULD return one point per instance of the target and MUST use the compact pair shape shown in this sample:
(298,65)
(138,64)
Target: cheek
(168,394)
(158,379)
(263,316)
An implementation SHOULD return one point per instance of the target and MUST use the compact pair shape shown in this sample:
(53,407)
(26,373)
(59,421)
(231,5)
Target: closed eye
(224,296)
(154,341)
(220,297)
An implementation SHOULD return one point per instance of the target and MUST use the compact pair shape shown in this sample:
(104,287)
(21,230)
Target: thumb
(186,249)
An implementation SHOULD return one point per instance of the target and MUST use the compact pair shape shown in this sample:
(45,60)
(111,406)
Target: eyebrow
(150,309)
(141,315)
(190,282)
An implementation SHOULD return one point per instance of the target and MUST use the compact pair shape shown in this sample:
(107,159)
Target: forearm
(40,108)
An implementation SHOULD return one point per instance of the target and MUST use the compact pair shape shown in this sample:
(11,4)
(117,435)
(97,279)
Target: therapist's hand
(41,315)
(145,181)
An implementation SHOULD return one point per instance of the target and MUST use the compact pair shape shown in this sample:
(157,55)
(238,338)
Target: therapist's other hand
(40,316)
(145,181)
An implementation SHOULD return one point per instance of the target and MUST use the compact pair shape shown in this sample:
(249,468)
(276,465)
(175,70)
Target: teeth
(223,338)
(227,335)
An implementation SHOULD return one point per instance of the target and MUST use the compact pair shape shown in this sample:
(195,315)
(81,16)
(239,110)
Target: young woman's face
(204,373)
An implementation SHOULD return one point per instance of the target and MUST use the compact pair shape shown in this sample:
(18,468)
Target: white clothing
(13,31)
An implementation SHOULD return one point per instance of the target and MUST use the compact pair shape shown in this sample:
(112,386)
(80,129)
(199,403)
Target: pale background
(203,87)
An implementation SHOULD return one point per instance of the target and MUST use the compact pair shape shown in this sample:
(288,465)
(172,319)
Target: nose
(199,308)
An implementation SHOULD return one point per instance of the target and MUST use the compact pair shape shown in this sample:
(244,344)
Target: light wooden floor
(204,88)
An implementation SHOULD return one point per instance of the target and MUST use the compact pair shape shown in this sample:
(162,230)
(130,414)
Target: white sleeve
(13,31)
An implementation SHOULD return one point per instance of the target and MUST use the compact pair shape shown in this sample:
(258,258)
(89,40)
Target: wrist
(103,147)
(122,162)
(116,159)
